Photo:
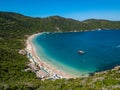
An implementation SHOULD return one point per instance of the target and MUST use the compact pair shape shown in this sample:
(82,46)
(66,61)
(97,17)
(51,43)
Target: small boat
(81,52)
(99,29)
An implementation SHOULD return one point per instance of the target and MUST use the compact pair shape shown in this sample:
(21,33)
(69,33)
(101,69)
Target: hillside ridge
(15,29)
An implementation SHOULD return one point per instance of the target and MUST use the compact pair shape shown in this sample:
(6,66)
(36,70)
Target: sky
(75,9)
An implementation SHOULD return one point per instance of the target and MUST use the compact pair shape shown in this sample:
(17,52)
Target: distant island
(15,28)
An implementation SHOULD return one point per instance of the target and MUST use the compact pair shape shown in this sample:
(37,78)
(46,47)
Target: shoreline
(52,71)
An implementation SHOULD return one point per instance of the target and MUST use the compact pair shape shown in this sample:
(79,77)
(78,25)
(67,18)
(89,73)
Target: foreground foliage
(14,29)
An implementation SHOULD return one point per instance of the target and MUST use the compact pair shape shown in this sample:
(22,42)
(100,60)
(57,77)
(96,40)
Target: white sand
(30,47)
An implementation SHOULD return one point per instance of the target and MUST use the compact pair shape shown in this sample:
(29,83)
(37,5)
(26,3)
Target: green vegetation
(14,29)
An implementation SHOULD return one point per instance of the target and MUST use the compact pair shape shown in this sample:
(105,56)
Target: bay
(102,50)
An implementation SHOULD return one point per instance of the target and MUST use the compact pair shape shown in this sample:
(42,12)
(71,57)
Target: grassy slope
(14,27)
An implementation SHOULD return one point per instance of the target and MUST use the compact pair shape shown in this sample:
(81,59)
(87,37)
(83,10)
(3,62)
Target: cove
(102,50)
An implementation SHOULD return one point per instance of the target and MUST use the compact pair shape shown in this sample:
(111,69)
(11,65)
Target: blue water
(102,50)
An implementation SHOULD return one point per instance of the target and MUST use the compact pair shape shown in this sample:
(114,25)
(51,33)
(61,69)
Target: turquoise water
(102,50)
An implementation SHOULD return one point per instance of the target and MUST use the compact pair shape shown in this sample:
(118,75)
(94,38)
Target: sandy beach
(31,49)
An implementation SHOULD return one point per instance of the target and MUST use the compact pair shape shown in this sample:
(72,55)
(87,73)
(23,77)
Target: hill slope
(13,30)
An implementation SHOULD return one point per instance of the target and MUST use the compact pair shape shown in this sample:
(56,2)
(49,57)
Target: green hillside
(14,29)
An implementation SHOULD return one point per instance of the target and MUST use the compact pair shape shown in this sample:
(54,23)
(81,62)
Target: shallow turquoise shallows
(102,50)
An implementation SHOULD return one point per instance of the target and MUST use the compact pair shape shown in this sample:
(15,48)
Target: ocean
(102,50)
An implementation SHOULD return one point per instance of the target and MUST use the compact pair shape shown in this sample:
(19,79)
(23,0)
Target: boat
(99,29)
(81,52)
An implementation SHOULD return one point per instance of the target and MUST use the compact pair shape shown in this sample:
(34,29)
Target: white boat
(99,29)
(81,52)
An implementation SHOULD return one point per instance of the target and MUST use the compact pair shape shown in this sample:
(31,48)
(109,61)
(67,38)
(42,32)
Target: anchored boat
(81,52)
